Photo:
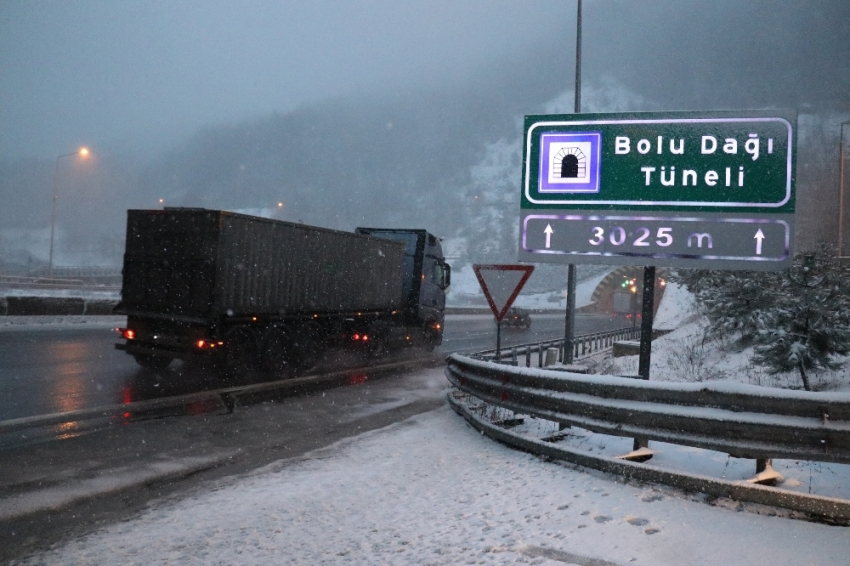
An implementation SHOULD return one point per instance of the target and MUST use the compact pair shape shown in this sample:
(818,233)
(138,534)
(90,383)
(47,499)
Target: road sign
(712,190)
(501,285)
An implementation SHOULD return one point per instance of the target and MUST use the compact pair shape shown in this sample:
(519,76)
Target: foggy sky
(214,103)
(127,75)
(108,72)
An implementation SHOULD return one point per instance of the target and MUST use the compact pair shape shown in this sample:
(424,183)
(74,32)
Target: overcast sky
(94,72)
(129,74)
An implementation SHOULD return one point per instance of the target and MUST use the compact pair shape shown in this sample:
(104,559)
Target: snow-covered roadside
(430,490)
(685,354)
(59,322)
(87,293)
(677,307)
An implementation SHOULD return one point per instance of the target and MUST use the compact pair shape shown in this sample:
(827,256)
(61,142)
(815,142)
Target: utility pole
(570,323)
(841,149)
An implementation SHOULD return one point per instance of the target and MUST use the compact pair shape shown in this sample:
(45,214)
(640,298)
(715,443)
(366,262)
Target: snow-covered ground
(87,293)
(15,323)
(685,354)
(430,490)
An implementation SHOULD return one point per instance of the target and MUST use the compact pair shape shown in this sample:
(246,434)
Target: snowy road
(429,490)
(65,486)
(61,367)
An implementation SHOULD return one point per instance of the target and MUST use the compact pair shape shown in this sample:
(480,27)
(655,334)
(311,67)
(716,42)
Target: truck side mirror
(447,276)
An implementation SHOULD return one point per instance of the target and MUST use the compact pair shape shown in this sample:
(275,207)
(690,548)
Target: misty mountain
(446,157)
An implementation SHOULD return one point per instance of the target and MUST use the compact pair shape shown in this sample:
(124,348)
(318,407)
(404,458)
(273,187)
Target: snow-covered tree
(809,324)
(735,302)
(798,319)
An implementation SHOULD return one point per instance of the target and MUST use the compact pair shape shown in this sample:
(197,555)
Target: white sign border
(660,203)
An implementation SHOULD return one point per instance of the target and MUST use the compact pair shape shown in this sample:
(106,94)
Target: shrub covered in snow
(797,319)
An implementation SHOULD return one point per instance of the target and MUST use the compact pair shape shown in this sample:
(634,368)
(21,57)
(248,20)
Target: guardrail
(584,345)
(21,282)
(743,421)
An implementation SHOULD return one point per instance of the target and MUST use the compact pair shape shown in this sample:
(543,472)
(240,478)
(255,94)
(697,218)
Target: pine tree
(735,303)
(809,324)
(798,319)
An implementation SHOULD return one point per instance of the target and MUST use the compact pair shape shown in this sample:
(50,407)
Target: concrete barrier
(54,306)
(626,348)
(99,307)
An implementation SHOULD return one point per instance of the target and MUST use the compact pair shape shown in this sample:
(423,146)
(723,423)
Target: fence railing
(742,420)
(21,282)
(584,345)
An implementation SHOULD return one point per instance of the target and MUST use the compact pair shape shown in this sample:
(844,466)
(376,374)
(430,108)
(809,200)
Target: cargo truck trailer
(248,292)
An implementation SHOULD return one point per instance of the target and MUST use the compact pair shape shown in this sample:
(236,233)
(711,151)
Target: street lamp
(841,191)
(82,152)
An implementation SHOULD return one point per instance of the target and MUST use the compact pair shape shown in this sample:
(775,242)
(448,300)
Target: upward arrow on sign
(501,285)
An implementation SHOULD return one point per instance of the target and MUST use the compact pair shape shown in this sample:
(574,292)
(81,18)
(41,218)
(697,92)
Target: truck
(624,305)
(248,293)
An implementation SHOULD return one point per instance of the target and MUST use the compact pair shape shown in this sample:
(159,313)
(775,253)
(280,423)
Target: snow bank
(432,491)
(677,306)
(89,293)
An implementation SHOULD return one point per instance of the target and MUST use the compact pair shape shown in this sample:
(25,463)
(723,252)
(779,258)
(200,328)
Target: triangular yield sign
(501,284)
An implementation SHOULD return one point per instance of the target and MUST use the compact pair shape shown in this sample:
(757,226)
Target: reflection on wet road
(50,371)
(68,369)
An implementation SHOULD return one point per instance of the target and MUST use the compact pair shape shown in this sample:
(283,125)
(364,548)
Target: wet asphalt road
(121,469)
(65,369)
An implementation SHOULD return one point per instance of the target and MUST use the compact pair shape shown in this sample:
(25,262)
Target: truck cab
(426,278)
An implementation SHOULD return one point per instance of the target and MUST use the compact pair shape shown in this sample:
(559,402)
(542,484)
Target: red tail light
(127,333)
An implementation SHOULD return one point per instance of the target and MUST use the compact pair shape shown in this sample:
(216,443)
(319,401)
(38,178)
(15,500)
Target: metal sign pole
(646,338)
(501,284)
(841,194)
(570,323)
(646,321)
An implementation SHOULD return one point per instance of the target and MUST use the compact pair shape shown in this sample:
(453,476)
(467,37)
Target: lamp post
(83,152)
(570,322)
(841,192)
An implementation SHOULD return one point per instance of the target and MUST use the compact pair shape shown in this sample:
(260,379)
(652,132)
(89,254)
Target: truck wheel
(430,341)
(379,343)
(151,362)
(277,349)
(241,351)
(306,345)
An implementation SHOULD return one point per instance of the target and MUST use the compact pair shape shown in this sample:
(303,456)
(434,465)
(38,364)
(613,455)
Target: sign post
(712,190)
(501,285)
(570,320)
(707,190)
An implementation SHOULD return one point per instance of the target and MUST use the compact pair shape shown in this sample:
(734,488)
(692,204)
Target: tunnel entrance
(569,167)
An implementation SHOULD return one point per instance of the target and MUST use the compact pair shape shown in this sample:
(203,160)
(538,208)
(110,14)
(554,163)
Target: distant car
(517,318)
